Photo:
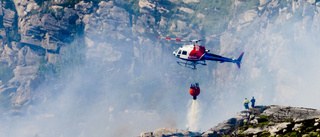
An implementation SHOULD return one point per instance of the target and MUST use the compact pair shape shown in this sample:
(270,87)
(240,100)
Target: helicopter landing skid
(191,64)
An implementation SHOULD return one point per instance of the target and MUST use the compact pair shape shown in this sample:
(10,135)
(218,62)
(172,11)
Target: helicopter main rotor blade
(194,41)
(170,38)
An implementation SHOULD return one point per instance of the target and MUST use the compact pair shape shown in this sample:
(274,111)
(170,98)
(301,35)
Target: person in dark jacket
(252,102)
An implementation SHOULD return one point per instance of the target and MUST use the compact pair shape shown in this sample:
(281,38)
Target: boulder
(108,21)
(282,114)
(84,7)
(191,1)
(278,113)
(277,127)
(146,6)
(8,18)
(254,130)
(163,132)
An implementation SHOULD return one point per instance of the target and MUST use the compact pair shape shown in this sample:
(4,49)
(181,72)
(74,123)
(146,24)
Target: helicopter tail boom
(238,61)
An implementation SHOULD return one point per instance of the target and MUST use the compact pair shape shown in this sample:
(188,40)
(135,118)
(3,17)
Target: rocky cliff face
(34,34)
(259,121)
(31,30)
(42,42)
(36,37)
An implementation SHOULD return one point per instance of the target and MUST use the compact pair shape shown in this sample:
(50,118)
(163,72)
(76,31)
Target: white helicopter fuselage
(190,52)
(183,52)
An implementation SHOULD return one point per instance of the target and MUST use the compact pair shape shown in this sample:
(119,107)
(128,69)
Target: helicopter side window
(184,52)
(179,52)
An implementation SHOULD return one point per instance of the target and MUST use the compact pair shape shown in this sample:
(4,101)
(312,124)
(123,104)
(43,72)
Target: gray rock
(146,134)
(144,24)
(24,7)
(2,34)
(172,132)
(163,24)
(84,8)
(108,21)
(254,122)
(8,18)
(277,113)
(230,125)
(296,127)
(251,117)
(8,55)
(147,6)
(31,58)
(1,10)
(271,123)
(255,130)
(23,80)
(263,2)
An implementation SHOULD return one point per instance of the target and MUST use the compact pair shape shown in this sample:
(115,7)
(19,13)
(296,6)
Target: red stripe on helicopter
(178,39)
(168,38)
(197,52)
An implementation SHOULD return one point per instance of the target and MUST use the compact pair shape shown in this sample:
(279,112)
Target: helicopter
(193,54)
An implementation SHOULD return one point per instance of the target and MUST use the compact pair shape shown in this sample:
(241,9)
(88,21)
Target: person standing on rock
(252,102)
(246,103)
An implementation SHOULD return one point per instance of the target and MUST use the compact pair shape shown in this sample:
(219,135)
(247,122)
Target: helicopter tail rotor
(238,61)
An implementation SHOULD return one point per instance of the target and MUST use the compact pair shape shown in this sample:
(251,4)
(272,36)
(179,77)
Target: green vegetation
(307,128)
(263,116)
(12,33)
(6,73)
(132,6)
(41,2)
(264,134)
(72,57)
(266,123)
(42,69)
(217,15)
(263,121)
(288,120)
(248,5)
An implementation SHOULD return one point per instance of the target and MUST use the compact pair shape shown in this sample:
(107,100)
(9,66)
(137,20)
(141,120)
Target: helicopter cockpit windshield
(177,52)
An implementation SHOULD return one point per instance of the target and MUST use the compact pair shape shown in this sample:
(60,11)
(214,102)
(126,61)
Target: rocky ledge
(259,121)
